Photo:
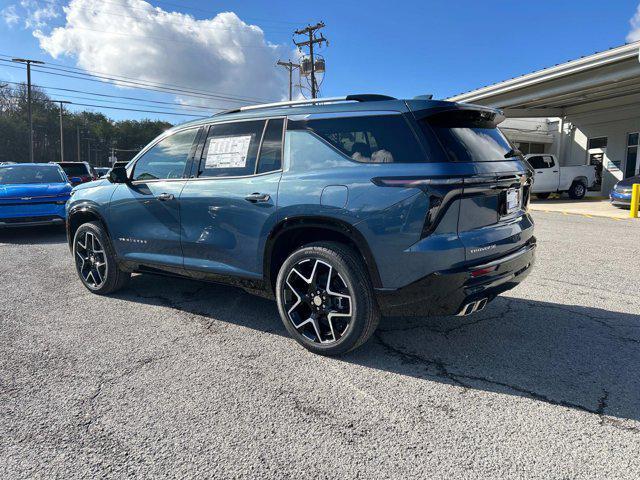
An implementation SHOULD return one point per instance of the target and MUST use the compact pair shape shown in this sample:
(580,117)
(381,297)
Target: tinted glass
(271,149)
(167,158)
(469,135)
(231,149)
(632,139)
(75,169)
(600,142)
(18,174)
(375,139)
(537,162)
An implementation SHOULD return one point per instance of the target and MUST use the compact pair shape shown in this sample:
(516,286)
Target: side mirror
(75,180)
(118,175)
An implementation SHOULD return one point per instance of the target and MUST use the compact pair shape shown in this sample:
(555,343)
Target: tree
(98,133)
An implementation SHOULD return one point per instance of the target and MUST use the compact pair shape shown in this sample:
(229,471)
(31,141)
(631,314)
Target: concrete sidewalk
(588,207)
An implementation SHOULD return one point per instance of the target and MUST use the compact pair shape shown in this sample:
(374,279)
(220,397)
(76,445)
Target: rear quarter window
(367,139)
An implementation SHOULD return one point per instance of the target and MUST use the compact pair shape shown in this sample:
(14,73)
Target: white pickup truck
(549,177)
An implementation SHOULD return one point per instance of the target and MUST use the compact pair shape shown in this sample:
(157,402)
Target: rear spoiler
(442,111)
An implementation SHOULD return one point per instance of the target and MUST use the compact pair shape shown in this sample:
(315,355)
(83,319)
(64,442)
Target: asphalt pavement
(178,379)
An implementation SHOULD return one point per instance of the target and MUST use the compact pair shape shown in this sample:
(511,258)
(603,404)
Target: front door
(145,213)
(547,173)
(228,210)
(632,167)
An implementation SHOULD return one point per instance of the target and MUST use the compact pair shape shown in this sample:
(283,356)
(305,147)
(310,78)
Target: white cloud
(221,54)
(10,15)
(634,33)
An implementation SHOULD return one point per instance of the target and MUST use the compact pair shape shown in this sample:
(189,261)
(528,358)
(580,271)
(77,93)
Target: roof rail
(366,97)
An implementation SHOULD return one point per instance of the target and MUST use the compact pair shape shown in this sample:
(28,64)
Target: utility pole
(290,66)
(29,62)
(78,145)
(311,32)
(61,102)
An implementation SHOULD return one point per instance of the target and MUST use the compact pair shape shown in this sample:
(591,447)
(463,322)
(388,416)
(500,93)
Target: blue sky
(398,48)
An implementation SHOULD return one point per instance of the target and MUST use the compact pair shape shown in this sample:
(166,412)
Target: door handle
(258,197)
(163,197)
(539,171)
(555,171)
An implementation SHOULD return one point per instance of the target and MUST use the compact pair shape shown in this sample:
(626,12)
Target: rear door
(229,208)
(493,219)
(546,173)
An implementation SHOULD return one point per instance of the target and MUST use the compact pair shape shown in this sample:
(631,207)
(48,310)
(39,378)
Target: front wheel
(578,190)
(326,299)
(95,260)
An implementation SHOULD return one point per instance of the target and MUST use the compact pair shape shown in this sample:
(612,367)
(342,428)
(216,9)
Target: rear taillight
(416,182)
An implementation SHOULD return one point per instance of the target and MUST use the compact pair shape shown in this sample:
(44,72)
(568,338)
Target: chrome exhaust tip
(473,307)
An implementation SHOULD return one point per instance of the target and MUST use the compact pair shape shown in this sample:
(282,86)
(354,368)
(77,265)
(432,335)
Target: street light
(29,62)
(61,102)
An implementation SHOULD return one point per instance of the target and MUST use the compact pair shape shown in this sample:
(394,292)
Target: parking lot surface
(173,378)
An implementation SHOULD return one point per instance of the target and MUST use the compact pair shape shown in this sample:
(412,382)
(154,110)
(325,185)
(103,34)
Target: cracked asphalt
(174,378)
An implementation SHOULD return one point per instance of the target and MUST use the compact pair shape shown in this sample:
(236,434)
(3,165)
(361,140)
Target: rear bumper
(447,292)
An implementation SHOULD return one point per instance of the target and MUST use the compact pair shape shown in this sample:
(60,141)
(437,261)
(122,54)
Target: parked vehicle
(550,177)
(78,172)
(341,209)
(620,194)
(101,171)
(32,194)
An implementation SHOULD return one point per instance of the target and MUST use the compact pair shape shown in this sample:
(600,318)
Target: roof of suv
(350,103)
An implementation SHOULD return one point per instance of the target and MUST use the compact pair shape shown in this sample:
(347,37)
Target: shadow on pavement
(574,356)
(33,235)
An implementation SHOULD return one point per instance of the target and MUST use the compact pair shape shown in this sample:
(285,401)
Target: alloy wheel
(91,259)
(317,300)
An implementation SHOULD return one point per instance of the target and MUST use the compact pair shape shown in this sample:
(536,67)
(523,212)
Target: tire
(543,196)
(577,190)
(325,298)
(95,260)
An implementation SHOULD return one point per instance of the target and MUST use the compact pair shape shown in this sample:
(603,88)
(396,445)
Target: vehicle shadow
(40,235)
(568,355)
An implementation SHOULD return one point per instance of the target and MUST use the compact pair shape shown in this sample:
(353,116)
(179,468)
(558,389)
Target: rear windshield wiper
(513,153)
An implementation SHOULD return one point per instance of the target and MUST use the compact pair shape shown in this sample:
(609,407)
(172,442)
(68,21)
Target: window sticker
(228,152)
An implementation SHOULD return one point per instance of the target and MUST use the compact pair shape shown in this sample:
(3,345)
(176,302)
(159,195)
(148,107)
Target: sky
(211,55)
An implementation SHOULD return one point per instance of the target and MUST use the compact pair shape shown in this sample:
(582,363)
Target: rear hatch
(493,219)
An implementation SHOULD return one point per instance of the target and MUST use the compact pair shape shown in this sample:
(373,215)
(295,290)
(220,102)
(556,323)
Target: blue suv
(341,209)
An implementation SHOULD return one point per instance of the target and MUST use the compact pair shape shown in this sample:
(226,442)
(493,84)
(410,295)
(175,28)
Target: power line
(137,99)
(128,109)
(137,84)
(290,66)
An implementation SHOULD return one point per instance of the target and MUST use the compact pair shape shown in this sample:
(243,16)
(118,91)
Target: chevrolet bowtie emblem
(26,198)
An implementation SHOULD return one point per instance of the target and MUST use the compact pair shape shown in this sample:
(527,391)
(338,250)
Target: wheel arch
(82,214)
(292,233)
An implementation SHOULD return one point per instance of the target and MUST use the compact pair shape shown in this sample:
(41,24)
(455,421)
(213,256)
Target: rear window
(21,174)
(75,169)
(469,136)
(367,139)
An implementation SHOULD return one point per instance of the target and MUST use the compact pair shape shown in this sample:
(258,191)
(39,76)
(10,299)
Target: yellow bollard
(635,200)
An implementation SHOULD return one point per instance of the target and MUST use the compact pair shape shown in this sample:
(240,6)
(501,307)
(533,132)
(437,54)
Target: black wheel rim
(317,301)
(91,259)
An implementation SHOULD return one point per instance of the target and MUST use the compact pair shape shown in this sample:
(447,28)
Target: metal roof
(551,91)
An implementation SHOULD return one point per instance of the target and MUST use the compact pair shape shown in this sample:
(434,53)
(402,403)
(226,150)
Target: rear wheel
(325,298)
(95,260)
(578,190)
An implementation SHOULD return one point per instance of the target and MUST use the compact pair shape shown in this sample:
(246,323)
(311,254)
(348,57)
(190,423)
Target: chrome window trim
(329,115)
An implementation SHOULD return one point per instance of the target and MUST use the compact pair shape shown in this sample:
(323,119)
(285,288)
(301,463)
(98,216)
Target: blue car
(341,209)
(33,194)
(620,194)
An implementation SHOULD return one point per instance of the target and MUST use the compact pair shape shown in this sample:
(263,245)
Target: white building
(597,102)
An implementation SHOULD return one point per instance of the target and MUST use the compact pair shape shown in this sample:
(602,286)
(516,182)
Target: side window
(374,139)
(231,149)
(271,148)
(549,161)
(167,158)
(537,162)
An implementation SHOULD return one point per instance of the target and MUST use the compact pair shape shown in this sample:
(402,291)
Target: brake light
(415,182)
